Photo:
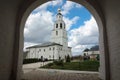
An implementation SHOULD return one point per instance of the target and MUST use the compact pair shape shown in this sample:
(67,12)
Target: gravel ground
(41,74)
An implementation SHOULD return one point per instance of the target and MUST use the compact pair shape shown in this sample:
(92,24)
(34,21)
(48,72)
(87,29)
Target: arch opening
(86,4)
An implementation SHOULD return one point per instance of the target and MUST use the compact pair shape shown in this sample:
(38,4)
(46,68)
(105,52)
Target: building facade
(57,48)
(92,53)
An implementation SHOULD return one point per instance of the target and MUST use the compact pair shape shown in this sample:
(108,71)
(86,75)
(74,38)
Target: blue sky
(80,11)
(81,26)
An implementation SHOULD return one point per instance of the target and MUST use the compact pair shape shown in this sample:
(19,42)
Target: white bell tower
(59,33)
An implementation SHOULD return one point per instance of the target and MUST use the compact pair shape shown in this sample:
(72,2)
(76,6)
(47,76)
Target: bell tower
(59,33)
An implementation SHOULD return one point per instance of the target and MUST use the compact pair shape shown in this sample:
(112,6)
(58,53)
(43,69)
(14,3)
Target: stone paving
(33,66)
(33,72)
(51,74)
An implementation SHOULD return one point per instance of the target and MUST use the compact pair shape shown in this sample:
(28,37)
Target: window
(53,48)
(65,56)
(61,25)
(59,16)
(42,58)
(64,26)
(49,48)
(44,50)
(56,25)
(38,50)
(59,58)
(56,32)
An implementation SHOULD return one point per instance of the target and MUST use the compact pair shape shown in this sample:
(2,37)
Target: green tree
(68,59)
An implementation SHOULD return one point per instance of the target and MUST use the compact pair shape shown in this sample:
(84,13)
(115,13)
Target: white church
(57,48)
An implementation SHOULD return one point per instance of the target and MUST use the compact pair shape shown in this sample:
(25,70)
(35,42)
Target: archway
(26,8)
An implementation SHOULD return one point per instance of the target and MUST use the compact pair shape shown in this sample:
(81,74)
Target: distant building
(57,48)
(77,58)
(92,53)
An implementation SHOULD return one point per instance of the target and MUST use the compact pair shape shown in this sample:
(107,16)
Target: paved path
(53,74)
(33,72)
(33,66)
(67,71)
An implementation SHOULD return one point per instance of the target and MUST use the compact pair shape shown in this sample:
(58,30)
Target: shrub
(50,64)
(32,60)
(60,62)
(98,57)
(46,59)
(68,58)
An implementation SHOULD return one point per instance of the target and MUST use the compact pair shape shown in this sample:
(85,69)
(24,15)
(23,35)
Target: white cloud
(68,6)
(27,44)
(84,36)
(38,27)
(56,2)
(78,49)
(70,22)
(40,24)
(78,5)
(42,7)
(47,4)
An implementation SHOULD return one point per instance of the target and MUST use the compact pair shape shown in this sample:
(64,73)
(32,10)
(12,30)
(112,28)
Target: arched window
(39,49)
(56,32)
(59,16)
(56,25)
(64,26)
(60,25)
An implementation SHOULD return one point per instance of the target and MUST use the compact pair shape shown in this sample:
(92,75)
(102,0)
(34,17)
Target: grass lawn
(82,66)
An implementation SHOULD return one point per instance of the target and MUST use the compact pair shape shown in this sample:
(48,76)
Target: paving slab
(53,74)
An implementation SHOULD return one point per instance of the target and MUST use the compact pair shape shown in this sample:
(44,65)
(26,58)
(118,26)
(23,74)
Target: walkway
(33,72)
(53,74)
(33,66)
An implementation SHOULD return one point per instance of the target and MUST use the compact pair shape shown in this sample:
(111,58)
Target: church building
(57,48)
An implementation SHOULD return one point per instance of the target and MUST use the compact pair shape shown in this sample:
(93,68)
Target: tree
(68,58)
(86,50)
(98,57)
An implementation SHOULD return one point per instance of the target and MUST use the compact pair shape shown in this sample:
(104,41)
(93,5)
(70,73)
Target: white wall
(58,51)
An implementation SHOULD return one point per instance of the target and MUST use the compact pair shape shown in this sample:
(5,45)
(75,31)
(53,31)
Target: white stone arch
(27,7)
